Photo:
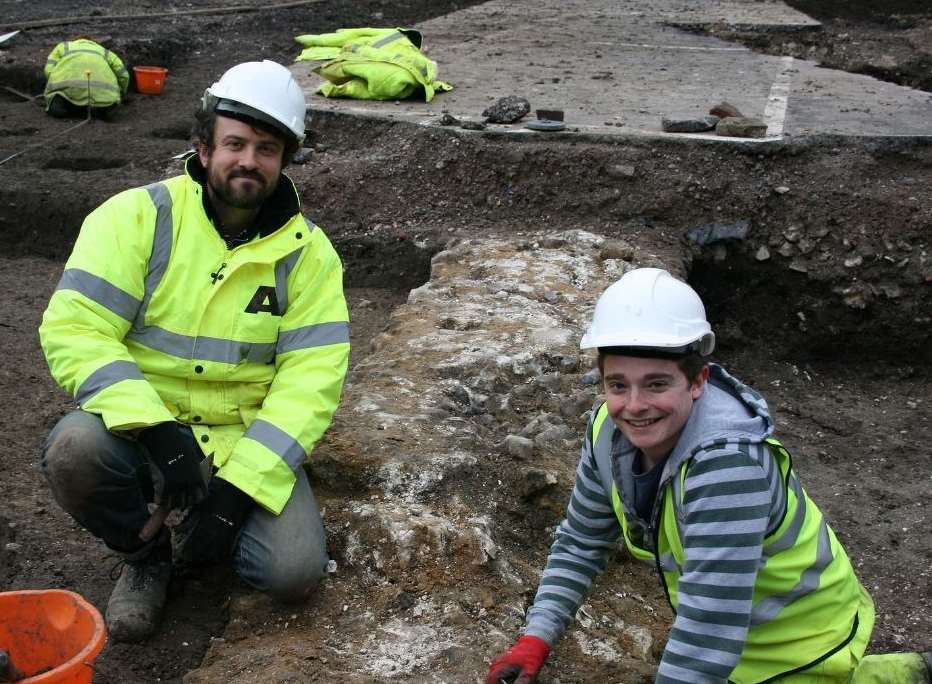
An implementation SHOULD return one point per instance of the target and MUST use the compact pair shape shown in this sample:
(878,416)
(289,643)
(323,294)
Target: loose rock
(507,110)
(725,109)
(688,124)
(741,127)
(519,447)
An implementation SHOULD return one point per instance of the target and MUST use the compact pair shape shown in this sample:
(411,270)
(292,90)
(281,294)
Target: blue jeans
(104,481)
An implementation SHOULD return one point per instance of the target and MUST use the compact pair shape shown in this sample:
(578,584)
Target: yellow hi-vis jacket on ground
(372,64)
(156,319)
(82,69)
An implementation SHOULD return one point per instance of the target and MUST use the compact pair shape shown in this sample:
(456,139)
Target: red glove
(519,664)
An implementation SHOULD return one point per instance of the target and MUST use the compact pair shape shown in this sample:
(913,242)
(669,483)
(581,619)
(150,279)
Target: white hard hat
(650,309)
(265,91)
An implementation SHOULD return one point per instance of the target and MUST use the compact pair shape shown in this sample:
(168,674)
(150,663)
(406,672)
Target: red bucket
(150,79)
(52,635)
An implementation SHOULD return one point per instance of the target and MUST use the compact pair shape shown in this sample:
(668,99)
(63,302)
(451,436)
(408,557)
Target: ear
(697,387)
(203,154)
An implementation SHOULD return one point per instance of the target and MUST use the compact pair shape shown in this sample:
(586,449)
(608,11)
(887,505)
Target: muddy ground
(825,306)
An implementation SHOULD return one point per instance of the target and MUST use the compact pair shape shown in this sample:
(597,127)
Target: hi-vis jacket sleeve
(92,309)
(311,359)
(119,70)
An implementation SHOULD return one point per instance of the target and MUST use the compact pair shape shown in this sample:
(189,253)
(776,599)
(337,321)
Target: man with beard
(201,327)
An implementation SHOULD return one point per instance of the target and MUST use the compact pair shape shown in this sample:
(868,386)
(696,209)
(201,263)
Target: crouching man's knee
(72,458)
(297,583)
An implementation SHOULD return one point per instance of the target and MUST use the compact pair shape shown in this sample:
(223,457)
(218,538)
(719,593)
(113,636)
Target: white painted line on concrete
(775,111)
(651,46)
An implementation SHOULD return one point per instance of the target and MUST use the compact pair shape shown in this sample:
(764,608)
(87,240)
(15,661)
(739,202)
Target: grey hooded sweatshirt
(732,491)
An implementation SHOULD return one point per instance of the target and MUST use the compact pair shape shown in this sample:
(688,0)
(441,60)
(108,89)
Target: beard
(240,196)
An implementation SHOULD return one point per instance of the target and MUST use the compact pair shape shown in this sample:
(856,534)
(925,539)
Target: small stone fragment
(472,125)
(762,253)
(519,447)
(448,120)
(535,480)
(781,189)
(786,249)
(302,156)
(616,249)
(593,377)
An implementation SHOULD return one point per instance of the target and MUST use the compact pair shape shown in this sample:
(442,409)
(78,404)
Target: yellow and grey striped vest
(806,593)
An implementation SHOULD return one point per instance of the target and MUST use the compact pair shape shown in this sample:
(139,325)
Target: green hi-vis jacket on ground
(155,319)
(84,72)
(372,64)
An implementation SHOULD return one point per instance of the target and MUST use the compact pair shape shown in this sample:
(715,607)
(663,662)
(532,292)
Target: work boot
(135,605)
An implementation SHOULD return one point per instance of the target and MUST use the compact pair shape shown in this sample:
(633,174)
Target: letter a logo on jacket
(264,299)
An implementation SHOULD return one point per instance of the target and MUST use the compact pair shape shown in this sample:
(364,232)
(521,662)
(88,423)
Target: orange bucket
(150,79)
(51,635)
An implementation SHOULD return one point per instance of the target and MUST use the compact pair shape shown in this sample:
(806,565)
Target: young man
(201,326)
(681,462)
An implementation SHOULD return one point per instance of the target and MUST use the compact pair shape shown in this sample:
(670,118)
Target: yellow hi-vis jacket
(82,69)
(372,64)
(156,319)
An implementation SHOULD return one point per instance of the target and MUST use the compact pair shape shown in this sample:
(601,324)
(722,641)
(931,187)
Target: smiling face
(650,401)
(243,164)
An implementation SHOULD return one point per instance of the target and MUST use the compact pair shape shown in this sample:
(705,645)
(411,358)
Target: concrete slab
(617,66)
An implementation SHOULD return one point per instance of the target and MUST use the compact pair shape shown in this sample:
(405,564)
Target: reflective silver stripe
(203,348)
(313,336)
(390,38)
(105,376)
(161,247)
(769,608)
(283,269)
(279,442)
(100,291)
(789,536)
(61,85)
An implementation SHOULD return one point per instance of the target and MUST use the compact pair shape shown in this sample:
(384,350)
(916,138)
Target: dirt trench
(823,305)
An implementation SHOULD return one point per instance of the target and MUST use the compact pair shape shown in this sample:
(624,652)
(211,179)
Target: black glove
(211,528)
(174,451)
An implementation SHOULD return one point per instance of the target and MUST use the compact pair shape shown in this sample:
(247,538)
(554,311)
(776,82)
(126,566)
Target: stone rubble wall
(460,435)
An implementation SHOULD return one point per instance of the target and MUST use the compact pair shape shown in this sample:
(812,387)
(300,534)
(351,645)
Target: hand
(174,451)
(211,528)
(521,663)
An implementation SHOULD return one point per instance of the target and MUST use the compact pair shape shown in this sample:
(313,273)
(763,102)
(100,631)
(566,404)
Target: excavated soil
(824,306)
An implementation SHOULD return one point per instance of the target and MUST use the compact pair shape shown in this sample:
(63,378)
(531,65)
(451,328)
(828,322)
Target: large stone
(725,109)
(741,127)
(507,110)
(688,124)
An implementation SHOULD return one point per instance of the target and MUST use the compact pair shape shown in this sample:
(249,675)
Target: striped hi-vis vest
(806,594)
